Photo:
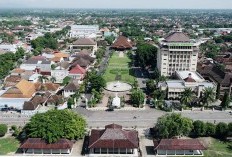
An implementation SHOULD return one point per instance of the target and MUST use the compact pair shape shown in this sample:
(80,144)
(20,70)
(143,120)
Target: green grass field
(119,65)
(8,145)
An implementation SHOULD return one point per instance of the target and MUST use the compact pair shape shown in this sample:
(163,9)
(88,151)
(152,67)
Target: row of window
(180,47)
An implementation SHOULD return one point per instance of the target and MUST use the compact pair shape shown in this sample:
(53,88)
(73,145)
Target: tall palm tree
(208,96)
(187,96)
(42,78)
(53,79)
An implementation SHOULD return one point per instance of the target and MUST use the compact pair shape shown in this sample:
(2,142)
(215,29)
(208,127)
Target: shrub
(210,129)
(221,130)
(199,128)
(3,129)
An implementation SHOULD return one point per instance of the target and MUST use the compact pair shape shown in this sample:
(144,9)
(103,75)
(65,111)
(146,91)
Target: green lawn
(119,65)
(8,145)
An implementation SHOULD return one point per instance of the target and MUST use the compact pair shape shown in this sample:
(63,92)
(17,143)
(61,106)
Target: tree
(135,84)
(229,129)
(145,55)
(187,96)
(3,129)
(53,79)
(225,101)
(150,85)
(208,96)
(70,103)
(210,129)
(96,82)
(171,125)
(42,78)
(199,128)
(66,80)
(137,97)
(221,130)
(55,124)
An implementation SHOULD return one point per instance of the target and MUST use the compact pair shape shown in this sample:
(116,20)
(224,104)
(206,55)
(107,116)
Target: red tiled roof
(122,43)
(77,70)
(179,144)
(38,143)
(189,79)
(113,137)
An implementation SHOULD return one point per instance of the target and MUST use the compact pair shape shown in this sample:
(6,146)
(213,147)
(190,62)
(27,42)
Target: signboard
(180,44)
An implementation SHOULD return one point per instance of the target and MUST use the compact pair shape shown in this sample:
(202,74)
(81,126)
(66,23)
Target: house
(16,96)
(84,43)
(113,140)
(37,62)
(122,43)
(12,80)
(54,100)
(185,79)
(77,73)
(222,79)
(83,59)
(70,89)
(61,71)
(40,146)
(178,147)
(84,31)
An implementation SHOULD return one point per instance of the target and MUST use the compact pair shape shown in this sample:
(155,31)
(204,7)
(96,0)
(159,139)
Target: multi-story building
(84,31)
(177,53)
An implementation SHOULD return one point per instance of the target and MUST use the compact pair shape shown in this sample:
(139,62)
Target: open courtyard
(119,68)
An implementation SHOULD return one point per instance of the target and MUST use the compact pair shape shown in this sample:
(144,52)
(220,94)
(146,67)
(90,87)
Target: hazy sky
(196,4)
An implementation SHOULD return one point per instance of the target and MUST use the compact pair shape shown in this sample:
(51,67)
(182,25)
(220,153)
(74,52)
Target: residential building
(70,89)
(39,63)
(61,71)
(77,73)
(177,53)
(178,147)
(113,140)
(40,146)
(84,43)
(84,31)
(185,79)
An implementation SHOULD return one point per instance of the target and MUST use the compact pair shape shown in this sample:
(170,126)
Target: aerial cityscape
(116,78)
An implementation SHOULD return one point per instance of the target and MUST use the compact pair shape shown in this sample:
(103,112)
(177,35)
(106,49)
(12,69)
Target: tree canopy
(3,129)
(137,97)
(171,125)
(95,81)
(56,124)
(146,55)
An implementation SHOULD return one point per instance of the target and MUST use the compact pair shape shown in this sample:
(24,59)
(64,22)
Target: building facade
(84,31)
(177,53)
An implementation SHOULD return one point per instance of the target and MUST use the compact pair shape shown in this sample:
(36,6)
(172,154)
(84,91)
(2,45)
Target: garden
(119,69)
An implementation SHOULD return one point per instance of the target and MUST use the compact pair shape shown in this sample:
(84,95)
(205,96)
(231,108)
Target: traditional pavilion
(179,147)
(40,146)
(113,140)
(122,43)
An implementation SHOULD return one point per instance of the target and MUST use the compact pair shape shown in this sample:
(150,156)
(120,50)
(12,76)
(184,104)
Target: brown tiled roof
(38,143)
(113,136)
(216,74)
(82,62)
(12,80)
(18,70)
(122,43)
(64,64)
(71,86)
(23,89)
(54,99)
(179,144)
(177,37)
(189,79)
(84,41)
(46,86)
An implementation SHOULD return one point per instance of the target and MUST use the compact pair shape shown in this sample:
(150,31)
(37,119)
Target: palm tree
(187,96)
(53,79)
(42,78)
(208,96)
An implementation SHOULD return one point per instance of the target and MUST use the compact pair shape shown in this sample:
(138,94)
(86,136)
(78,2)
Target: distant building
(122,43)
(177,53)
(186,79)
(84,43)
(8,47)
(84,31)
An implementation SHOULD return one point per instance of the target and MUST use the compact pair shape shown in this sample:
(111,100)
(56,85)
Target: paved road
(140,119)
(104,61)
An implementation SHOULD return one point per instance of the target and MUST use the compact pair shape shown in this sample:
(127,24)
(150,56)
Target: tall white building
(84,31)
(177,53)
